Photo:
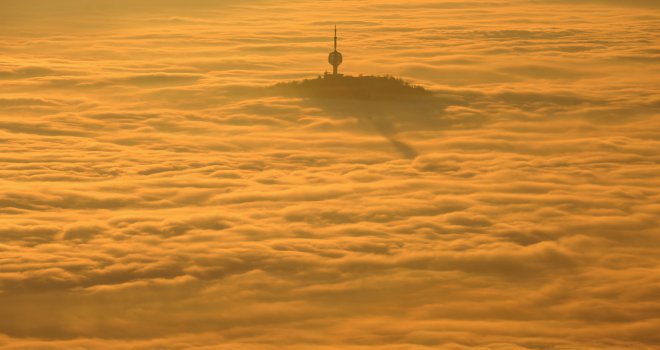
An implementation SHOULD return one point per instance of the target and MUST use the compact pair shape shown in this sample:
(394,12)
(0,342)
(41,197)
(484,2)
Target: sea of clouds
(155,195)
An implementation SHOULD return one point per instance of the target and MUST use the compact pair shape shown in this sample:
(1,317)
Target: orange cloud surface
(153,195)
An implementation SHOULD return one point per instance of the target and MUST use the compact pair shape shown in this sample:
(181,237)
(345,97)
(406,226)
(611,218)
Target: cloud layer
(153,195)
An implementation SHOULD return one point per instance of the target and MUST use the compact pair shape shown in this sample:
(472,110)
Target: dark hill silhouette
(386,104)
(355,87)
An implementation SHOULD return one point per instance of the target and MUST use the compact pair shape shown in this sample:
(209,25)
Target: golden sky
(155,195)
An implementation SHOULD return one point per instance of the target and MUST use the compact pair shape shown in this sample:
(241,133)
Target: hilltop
(385,88)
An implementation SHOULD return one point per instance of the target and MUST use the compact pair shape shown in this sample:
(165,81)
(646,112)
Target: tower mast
(335,38)
(335,58)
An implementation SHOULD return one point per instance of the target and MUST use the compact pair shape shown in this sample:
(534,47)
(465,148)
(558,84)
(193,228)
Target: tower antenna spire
(335,57)
(335,37)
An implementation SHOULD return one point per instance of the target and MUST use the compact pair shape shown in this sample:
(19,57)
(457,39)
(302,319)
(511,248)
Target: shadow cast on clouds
(384,104)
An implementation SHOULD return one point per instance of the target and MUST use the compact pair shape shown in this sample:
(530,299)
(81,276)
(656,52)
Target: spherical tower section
(335,59)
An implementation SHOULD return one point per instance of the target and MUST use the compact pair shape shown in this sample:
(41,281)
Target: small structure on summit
(384,104)
(335,58)
(378,89)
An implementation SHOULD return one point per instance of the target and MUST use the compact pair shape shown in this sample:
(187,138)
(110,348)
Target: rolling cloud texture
(155,194)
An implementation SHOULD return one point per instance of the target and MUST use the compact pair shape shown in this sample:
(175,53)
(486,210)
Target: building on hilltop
(335,58)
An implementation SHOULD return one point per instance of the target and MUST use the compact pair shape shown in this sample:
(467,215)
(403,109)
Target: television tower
(335,58)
